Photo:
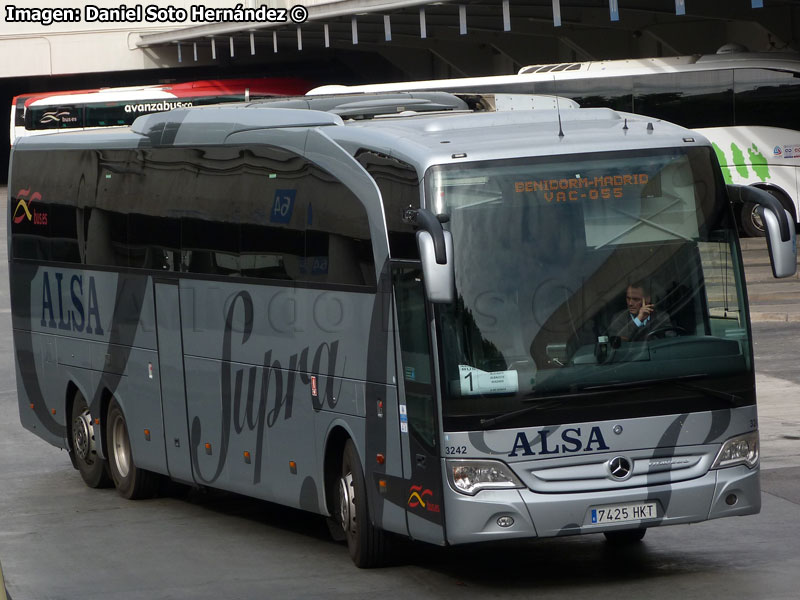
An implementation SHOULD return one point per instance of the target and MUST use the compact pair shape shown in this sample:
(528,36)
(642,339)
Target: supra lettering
(570,441)
(248,392)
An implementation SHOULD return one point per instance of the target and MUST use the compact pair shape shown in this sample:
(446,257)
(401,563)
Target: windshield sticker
(474,382)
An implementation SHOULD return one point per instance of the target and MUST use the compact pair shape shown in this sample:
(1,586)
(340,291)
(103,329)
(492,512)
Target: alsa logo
(24,211)
(418,498)
(571,441)
(777,151)
(75,304)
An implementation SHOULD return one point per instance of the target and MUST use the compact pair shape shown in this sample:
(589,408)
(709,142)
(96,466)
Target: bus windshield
(609,283)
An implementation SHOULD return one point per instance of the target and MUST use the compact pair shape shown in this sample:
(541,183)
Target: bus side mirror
(782,252)
(779,227)
(436,253)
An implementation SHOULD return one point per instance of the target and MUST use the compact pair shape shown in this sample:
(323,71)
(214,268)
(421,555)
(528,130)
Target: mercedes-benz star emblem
(620,468)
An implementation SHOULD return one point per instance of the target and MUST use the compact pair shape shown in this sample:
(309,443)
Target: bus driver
(641,318)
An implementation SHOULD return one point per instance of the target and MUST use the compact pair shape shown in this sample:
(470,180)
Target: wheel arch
(69,399)
(782,195)
(106,396)
(338,434)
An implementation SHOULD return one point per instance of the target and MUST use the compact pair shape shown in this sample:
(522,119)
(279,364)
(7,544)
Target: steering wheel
(662,330)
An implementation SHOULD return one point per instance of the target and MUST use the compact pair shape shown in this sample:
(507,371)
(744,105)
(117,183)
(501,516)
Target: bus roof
(436,133)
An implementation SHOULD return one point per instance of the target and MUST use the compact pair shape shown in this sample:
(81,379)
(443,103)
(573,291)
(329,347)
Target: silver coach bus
(399,311)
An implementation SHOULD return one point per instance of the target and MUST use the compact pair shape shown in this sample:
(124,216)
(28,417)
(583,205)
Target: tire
(625,537)
(751,222)
(367,545)
(93,469)
(131,482)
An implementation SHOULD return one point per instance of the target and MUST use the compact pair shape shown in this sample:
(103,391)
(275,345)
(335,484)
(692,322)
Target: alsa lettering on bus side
(572,440)
(572,189)
(24,209)
(244,402)
(74,303)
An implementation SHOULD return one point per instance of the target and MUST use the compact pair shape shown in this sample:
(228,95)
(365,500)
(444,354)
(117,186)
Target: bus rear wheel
(366,543)
(131,481)
(83,452)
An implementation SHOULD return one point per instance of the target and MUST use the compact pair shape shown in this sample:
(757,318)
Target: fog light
(731,499)
(505,521)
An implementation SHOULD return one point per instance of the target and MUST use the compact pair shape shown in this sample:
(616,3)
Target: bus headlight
(740,450)
(471,476)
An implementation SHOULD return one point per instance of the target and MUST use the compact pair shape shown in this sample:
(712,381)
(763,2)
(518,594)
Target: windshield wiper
(618,385)
(544,402)
(681,381)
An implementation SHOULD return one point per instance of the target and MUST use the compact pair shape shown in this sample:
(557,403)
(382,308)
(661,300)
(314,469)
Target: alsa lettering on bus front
(572,439)
(572,189)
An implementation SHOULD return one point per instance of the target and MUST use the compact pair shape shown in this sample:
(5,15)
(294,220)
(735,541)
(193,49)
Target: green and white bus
(395,311)
(744,103)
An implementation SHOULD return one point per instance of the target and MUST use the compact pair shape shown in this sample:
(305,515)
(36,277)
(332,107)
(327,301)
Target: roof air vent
(732,48)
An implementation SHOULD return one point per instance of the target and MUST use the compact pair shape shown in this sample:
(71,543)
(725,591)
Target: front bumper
(711,496)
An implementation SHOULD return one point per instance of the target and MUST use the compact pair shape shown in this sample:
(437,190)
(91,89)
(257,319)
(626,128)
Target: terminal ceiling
(482,37)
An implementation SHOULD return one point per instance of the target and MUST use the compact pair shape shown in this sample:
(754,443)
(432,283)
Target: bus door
(173,390)
(422,465)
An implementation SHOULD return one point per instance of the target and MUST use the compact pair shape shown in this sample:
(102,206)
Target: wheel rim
(756,220)
(121,446)
(347,505)
(83,436)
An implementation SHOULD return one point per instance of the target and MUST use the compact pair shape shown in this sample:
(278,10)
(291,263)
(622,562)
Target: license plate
(618,513)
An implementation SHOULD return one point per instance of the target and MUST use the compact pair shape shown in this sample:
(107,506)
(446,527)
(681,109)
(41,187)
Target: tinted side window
(261,212)
(54,117)
(399,186)
(610,92)
(154,242)
(251,212)
(338,241)
(44,220)
(765,97)
(694,99)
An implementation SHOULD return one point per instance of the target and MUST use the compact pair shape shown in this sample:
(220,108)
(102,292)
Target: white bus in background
(47,112)
(745,103)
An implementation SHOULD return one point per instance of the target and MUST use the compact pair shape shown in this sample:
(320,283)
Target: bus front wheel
(93,469)
(131,481)
(367,544)
(752,224)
